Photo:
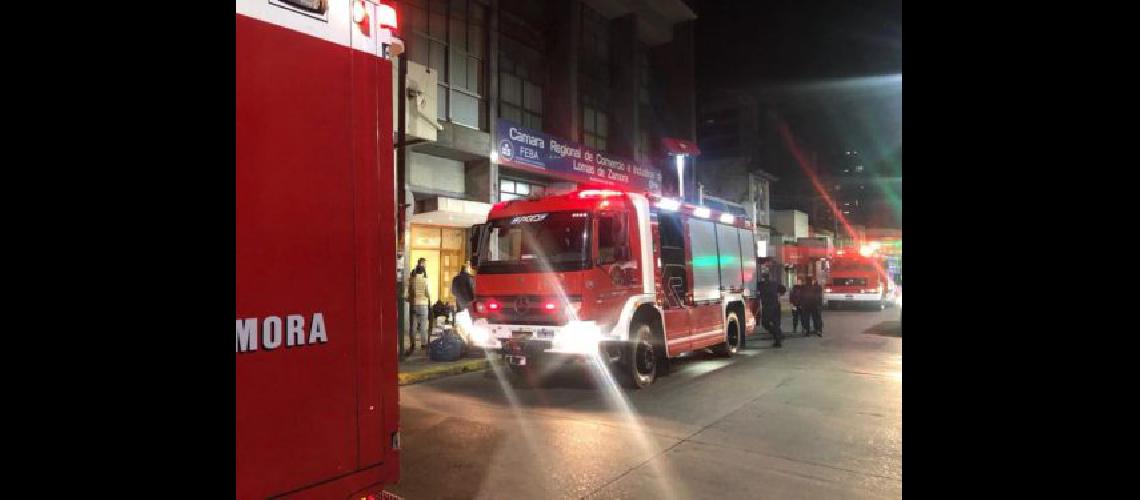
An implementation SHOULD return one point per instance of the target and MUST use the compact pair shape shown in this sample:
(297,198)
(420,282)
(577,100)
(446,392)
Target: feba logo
(529,218)
(271,331)
(505,149)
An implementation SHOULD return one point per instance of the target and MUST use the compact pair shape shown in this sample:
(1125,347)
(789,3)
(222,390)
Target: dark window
(520,93)
(450,38)
(313,6)
(513,189)
(595,127)
(551,241)
(607,239)
(612,241)
(595,37)
(675,273)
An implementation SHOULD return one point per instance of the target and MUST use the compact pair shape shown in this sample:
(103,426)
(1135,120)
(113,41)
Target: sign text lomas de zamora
(533,150)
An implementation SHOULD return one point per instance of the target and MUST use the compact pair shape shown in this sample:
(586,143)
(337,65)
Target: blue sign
(529,149)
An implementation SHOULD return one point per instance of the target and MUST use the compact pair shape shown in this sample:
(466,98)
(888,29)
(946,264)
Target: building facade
(733,141)
(610,77)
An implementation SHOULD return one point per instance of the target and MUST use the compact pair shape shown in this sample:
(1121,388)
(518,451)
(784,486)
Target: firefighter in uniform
(797,312)
(811,307)
(463,289)
(769,293)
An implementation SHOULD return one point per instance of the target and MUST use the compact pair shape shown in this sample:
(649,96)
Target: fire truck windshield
(552,241)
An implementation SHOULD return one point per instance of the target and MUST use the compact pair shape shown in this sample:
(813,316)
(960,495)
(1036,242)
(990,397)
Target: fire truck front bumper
(861,298)
(573,338)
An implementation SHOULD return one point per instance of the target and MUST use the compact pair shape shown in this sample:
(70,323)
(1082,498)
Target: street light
(680,161)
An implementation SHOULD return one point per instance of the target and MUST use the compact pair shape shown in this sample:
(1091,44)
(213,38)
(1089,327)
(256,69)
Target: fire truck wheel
(732,337)
(639,366)
(525,376)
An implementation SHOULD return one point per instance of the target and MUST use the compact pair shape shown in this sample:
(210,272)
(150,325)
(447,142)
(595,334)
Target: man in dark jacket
(463,289)
(769,293)
(797,312)
(811,307)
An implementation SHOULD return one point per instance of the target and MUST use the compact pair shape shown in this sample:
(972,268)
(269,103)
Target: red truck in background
(316,395)
(622,279)
(859,281)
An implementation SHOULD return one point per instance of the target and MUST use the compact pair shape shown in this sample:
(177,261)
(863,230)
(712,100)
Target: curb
(434,372)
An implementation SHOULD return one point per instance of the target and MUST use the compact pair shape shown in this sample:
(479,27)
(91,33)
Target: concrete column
(479,179)
(561,113)
(488,181)
(623,87)
(675,62)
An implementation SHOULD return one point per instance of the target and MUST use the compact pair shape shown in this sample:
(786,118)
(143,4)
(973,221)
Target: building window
(595,36)
(450,37)
(643,146)
(594,128)
(517,189)
(643,74)
(520,94)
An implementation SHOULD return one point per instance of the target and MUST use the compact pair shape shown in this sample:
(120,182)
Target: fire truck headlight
(580,337)
(480,334)
(574,307)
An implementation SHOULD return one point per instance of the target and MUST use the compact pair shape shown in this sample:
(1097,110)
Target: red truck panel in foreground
(317,400)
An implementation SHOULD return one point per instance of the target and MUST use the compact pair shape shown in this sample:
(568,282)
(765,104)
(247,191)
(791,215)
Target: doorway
(444,250)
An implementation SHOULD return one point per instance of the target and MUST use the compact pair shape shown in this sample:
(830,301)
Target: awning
(675,146)
(449,212)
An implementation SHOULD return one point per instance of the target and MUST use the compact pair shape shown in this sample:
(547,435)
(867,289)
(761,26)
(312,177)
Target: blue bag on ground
(448,347)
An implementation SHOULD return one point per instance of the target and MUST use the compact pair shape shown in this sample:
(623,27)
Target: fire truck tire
(732,337)
(639,363)
(526,376)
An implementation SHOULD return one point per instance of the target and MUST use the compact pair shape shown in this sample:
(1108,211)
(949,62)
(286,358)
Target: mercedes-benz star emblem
(521,305)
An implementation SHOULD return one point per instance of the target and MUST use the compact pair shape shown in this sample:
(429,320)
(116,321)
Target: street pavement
(819,418)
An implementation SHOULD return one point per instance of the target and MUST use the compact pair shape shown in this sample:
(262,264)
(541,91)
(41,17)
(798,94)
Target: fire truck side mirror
(473,241)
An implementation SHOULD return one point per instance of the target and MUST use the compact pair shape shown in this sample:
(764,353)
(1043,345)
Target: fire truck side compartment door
(705,260)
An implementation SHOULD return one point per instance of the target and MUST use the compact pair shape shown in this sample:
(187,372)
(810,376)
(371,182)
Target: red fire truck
(317,401)
(860,281)
(620,279)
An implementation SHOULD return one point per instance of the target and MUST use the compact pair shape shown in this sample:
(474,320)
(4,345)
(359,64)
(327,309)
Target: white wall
(801,225)
(790,223)
(433,172)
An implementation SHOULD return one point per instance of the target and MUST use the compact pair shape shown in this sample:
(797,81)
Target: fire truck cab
(858,281)
(622,279)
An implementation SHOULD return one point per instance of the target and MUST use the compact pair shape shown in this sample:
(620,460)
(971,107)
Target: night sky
(823,67)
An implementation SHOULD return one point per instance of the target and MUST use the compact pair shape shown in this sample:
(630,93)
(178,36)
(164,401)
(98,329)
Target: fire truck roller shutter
(706,272)
(728,246)
(748,259)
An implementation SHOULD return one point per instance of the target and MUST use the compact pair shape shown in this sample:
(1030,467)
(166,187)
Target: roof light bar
(598,193)
(668,204)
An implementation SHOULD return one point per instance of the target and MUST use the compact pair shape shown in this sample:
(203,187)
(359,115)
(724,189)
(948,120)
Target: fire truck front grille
(528,310)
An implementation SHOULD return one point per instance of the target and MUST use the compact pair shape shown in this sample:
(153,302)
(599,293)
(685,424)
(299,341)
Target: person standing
(420,297)
(794,298)
(811,313)
(463,289)
(769,293)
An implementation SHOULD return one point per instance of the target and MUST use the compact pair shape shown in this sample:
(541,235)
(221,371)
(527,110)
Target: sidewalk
(418,368)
